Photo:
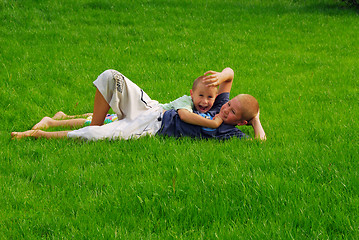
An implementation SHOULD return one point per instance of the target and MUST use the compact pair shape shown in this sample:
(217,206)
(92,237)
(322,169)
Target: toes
(14,134)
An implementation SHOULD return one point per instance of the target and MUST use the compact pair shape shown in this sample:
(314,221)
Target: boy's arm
(195,119)
(222,79)
(258,129)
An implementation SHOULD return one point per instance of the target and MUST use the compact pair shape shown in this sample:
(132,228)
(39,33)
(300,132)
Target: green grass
(298,58)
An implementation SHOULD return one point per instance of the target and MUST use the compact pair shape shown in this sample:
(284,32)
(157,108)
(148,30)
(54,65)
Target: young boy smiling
(194,109)
(226,114)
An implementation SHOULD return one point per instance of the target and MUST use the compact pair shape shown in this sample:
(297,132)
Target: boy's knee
(112,79)
(108,74)
(107,77)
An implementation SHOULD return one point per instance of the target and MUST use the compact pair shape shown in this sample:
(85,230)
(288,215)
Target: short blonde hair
(249,106)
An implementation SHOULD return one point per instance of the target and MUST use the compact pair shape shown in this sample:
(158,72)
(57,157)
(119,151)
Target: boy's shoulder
(184,102)
(222,97)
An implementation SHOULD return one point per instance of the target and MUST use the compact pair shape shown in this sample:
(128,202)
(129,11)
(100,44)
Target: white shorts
(138,114)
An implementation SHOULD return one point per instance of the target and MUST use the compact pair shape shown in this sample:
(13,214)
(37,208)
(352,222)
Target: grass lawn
(298,58)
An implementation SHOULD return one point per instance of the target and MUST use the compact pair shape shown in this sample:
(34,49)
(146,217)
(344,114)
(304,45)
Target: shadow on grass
(330,9)
(335,8)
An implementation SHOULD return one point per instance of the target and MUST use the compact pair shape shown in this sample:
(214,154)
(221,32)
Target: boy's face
(203,97)
(231,113)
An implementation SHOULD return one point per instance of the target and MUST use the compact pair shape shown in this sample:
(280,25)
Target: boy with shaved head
(139,115)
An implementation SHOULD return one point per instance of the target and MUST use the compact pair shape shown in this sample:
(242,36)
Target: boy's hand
(222,79)
(218,120)
(214,79)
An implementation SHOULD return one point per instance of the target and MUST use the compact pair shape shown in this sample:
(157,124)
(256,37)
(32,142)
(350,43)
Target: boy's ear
(191,92)
(242,122)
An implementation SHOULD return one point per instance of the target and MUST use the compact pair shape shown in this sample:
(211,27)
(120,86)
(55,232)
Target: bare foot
(43,124)
(59,115)
(29,133)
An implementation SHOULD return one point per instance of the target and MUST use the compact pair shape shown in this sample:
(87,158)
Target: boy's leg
(61,115)
(100,109)
(39,133)
(47,122)
(125,98)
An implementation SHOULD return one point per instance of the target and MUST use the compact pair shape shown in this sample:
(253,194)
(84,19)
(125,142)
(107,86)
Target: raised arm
(222,79)
(258,129)
(196,119)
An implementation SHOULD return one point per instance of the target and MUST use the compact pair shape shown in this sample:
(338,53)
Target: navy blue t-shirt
(173,126)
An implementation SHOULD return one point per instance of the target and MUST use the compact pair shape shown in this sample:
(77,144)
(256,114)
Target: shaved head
(249,106)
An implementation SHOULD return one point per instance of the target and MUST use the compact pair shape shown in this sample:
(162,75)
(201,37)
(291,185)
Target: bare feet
(43,124)
(59,115)
(29,133)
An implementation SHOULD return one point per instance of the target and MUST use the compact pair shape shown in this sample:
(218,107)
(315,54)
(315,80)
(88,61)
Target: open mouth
(202,109)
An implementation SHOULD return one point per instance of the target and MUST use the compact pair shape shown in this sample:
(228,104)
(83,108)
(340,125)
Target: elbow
(230,71)
(182,114)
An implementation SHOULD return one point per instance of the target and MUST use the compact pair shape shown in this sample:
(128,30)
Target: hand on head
(212,78)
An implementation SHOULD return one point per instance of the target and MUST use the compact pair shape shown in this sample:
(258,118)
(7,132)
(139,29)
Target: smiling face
(231,112)
(203,97)
(239,110)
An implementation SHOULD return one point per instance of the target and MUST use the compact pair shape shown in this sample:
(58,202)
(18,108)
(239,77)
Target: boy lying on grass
(201,100)
(139,115)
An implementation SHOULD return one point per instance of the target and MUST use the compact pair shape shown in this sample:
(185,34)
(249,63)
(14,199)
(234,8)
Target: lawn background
(298,58)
